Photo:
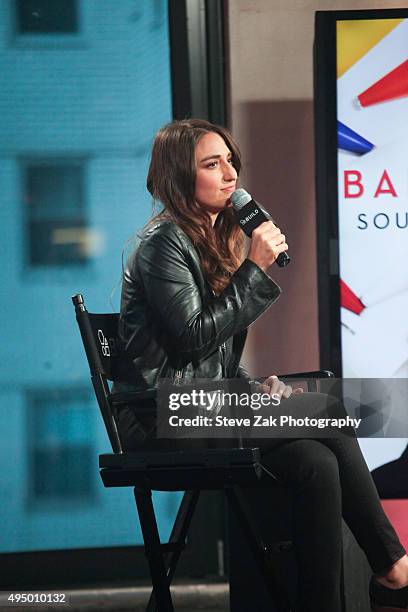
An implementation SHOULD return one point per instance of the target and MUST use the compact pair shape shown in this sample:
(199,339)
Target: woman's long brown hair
(171,181)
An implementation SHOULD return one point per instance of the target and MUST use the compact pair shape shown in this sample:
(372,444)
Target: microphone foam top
(239,198)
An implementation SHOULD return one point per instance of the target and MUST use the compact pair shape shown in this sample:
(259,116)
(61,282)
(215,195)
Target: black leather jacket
(171,323)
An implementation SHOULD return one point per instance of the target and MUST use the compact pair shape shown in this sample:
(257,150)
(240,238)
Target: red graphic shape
(349,300)
(390,87)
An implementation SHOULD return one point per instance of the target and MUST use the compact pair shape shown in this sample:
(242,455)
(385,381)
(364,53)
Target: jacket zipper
(223,351)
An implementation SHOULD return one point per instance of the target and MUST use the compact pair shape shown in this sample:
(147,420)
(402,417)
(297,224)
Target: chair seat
(178,470)
(211,457)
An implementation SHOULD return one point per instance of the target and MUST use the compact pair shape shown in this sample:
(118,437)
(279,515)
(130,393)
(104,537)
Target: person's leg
(362,508)
(310,470)
(361,505)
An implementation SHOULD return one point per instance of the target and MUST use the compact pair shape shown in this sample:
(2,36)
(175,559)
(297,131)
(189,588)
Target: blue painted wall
(99,94)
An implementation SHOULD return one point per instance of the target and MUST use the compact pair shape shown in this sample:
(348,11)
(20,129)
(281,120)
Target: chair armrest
(132,397)
(310,378)
(305,375)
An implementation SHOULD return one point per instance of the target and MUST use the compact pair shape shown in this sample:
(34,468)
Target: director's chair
(191,471)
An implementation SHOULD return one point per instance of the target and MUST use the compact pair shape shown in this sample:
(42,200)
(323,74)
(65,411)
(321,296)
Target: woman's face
(216,176)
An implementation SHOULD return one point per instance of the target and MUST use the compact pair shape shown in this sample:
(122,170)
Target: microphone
(250,214)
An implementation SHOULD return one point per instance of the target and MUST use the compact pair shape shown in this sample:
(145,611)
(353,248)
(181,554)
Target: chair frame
(188,471)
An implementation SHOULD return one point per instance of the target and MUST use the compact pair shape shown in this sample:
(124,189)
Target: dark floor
(186,597)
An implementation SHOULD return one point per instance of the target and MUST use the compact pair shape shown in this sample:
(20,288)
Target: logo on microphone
(249,217)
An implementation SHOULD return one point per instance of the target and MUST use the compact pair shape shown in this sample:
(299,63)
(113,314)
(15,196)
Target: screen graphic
(372,131)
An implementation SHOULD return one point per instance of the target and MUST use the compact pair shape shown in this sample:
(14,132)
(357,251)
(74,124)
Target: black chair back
(100,337)
(99,334)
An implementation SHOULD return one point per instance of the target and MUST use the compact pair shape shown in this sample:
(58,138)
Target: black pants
(329,479)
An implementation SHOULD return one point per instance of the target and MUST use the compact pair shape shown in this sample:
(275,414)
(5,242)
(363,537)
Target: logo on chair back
(107,344)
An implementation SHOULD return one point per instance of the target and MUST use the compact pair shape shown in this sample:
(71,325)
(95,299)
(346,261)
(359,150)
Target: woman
(188,295)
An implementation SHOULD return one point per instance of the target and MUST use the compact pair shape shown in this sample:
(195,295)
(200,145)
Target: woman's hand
(273,385)
(267,243)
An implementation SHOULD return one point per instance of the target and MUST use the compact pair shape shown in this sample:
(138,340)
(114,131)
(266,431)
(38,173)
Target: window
(62,455)
(54,194)
(46,16)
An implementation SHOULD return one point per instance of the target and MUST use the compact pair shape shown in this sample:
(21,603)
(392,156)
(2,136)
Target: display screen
(372,131)
(361,125)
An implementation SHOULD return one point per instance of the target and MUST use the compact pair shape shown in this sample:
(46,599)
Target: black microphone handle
(283,259)
(250,216)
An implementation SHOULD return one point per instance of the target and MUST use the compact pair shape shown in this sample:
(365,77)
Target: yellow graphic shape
(356,37)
